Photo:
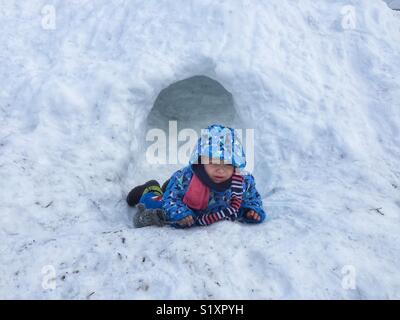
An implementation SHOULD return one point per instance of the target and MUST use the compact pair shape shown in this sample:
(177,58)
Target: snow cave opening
(192,103)
(195,103)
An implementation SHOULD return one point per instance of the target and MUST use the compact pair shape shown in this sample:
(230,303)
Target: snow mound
(393,4)
(81,82)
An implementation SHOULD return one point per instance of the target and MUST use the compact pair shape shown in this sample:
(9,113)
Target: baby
(210,189)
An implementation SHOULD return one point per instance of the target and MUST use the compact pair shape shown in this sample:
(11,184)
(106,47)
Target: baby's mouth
(218,178)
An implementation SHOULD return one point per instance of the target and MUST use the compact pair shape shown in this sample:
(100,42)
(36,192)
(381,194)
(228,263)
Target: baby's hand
(186,222)
(251,214)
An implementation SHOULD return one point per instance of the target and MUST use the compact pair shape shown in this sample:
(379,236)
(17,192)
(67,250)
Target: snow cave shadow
(191,103)
(195,103)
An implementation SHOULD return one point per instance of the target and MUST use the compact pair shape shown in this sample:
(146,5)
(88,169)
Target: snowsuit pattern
(176,210)
(213,143)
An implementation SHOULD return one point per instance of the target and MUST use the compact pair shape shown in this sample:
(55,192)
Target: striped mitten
(231,211)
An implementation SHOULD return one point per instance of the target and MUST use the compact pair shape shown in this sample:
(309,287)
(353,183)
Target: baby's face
(217,170)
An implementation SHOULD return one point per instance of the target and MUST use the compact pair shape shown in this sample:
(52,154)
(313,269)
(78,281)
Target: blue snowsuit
(218,142)
(176,210)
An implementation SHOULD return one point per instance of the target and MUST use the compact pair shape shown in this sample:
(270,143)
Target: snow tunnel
(195,102)
(191,103)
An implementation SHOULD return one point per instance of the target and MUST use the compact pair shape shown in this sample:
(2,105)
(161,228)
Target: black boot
(136,193)
(164,186)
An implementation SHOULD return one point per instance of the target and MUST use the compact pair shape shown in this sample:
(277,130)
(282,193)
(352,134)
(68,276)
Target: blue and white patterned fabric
(178,185)
(176,209)
(222,143)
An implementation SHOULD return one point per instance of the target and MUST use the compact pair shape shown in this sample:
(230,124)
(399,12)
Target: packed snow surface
(83,81)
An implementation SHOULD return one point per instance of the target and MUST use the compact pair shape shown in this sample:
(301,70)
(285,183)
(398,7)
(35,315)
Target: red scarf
(197,195)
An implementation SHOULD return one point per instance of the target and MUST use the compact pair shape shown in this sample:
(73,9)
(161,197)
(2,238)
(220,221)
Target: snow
(318,81)
(393,4)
